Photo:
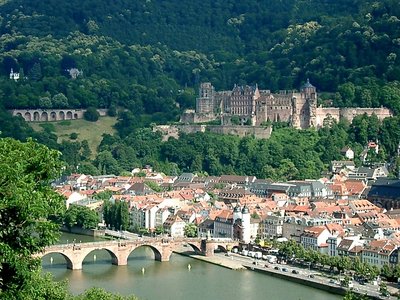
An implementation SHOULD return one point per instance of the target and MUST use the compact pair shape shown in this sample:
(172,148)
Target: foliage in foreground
(27,207)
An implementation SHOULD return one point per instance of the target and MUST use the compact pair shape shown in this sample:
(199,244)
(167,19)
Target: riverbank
(215,260)
(317,282)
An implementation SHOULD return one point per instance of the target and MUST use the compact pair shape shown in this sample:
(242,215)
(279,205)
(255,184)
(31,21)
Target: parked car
(284,269)
(311,276)
(277,268)
(295,272)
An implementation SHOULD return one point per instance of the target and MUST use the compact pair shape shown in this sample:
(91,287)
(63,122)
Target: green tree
(81,216)
(96,293)
(60,101)
(383,289)
(190,230)
(91,114)
(27,205)
(35,73)
(387,271)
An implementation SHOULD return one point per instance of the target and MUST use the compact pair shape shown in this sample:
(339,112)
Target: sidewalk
(222,261)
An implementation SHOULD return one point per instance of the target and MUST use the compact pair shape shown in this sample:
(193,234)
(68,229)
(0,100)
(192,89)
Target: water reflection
(173,280)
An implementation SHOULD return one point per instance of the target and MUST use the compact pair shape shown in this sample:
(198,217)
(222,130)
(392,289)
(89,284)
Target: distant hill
(149,56)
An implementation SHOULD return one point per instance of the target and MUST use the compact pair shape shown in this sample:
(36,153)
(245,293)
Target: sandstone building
(251,106)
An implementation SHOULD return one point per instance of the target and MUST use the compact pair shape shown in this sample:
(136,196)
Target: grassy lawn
(90,131)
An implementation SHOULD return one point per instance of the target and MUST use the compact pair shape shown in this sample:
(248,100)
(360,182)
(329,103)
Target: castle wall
(349,113)
(242,131)
(326,112)
(190,117)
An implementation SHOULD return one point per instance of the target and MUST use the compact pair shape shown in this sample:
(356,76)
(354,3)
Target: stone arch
(61,115)
(75,116)
(156,251)
(44,116)
(235,249)
(196,248)
(18,115)
(36,116)
(68,260)
(220,248)
(53,116)
(69,115)
(114,257)
(28,116)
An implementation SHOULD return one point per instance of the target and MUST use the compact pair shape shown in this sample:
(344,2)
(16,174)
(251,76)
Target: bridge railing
(142,240)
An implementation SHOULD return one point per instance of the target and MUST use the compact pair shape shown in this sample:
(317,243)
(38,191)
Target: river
(173,280)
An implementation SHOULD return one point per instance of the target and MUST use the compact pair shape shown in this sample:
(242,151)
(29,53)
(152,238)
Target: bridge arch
(114,257)
(69,115)
(68,260)
(157,252)
(220,248)
(196,248)
(62,115)
(36,116)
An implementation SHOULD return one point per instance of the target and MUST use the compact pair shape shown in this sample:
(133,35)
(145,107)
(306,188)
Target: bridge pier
(75,264)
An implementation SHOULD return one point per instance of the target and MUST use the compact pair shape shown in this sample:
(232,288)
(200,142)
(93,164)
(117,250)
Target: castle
(252,106)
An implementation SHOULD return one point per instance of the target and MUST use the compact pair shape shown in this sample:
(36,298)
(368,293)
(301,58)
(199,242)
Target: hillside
(147,58)
(277,44)
(92,132)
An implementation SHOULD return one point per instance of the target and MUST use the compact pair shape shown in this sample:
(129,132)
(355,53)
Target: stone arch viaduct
(74,254)
(48,115)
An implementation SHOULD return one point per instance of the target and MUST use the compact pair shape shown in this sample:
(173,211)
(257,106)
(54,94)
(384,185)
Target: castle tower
(297,106)
(205,101)
(310,94)
(246,224)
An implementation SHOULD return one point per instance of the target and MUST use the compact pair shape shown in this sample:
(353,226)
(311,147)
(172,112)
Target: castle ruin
(256,107)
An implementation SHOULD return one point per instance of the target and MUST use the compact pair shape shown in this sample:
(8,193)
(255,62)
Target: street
(316,276)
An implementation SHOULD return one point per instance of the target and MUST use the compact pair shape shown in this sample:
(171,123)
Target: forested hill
(148,56)
(206,25)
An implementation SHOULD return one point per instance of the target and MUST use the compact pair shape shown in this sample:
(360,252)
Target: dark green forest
(147,58)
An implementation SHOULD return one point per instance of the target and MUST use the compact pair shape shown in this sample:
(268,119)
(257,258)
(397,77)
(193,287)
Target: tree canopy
(27,203)
(28,206)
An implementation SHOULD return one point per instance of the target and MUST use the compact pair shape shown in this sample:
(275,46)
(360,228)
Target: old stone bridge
(74,254)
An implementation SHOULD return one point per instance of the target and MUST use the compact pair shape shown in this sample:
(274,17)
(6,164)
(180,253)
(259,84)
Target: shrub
(73,136)
(91,114)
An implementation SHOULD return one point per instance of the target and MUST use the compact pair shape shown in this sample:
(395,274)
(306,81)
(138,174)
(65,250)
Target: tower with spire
(242,216)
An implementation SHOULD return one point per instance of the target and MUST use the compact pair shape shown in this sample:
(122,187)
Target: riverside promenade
(219,260)
(238,262)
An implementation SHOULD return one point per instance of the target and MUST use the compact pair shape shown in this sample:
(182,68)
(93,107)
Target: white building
(315,238)
(175,226)
(14,76)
